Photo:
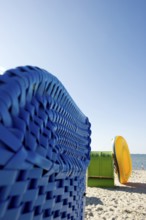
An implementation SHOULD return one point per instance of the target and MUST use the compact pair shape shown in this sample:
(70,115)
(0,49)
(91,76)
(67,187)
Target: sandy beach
(121,202)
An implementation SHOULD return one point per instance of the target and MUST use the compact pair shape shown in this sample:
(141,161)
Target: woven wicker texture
(44,148)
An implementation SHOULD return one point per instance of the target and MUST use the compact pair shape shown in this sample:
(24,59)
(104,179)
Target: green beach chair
(101,169)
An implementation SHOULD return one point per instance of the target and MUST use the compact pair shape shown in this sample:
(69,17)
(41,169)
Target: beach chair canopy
(101,169)
(122,158)
(44,148)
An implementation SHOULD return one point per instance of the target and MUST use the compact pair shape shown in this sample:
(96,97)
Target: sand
(121,202)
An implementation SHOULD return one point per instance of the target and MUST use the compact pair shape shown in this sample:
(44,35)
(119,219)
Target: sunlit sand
(121,202)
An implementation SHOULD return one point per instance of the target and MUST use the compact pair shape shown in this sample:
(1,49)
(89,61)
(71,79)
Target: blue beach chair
(44,148)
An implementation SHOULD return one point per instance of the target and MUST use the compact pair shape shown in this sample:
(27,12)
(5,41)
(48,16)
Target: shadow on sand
(130,187)
(93,201)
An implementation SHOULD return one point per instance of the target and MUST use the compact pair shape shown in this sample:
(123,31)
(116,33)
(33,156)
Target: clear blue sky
(96,48)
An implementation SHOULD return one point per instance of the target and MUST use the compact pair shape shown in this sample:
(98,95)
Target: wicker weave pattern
(44,148)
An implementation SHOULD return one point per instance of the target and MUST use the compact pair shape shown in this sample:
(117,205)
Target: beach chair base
(100,182)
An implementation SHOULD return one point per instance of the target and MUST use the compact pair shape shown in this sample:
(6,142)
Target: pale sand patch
(118,203)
